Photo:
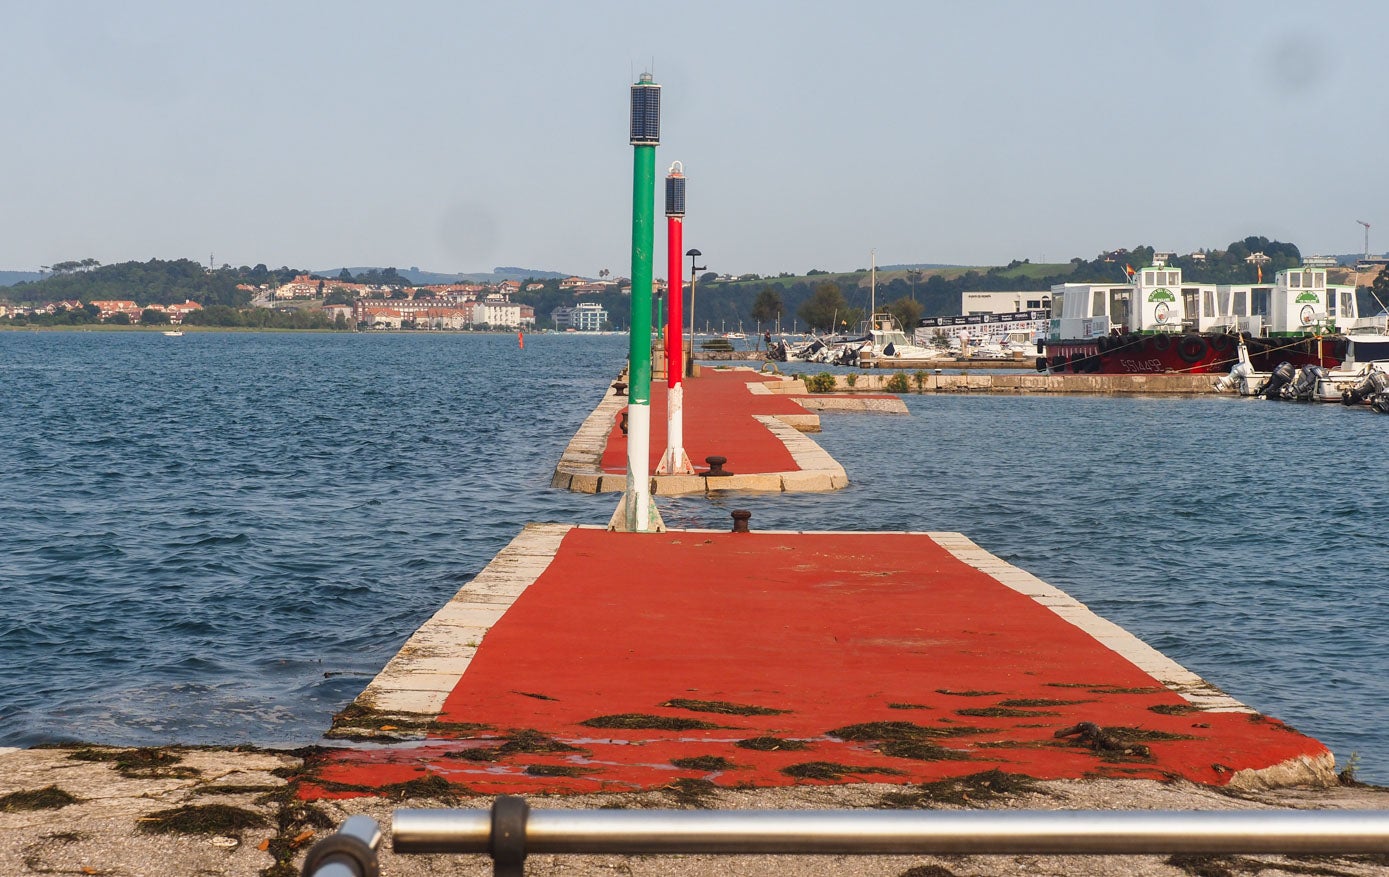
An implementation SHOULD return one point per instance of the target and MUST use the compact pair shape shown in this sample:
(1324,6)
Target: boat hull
(1193,353)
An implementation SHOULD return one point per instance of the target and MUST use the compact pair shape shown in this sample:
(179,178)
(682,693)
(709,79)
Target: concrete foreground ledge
(106,829)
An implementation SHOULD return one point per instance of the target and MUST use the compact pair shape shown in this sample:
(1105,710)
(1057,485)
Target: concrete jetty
(928,381)
(773,659)
(754,420)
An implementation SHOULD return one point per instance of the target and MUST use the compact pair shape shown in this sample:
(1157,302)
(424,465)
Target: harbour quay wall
(1166,384)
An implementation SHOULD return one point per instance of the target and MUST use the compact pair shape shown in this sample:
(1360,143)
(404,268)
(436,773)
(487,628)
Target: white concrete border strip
(580,466)
(415,683)
(1197,691)
(1301,770)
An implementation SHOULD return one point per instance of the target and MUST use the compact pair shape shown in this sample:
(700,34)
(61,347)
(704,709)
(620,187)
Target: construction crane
(1367,238)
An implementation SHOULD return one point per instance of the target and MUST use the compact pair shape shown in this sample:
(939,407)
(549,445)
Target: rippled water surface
(222,537)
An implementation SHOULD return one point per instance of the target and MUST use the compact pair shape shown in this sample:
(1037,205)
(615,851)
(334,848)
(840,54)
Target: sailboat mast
(872,284)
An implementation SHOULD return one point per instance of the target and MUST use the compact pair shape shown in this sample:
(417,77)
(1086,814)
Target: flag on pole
(1261,272)
(1128,269)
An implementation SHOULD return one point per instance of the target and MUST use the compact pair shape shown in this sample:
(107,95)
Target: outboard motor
(1375,382)
(1304,385)
(1241,370)
(1281,377)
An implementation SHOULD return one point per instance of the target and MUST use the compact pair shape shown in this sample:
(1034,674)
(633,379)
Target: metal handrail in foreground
(510,831)
(348,852)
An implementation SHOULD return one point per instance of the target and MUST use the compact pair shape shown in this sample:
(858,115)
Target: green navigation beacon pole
(636,512)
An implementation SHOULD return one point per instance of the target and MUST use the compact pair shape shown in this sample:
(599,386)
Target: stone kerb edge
(412,687)
(580,466)
(1195,690)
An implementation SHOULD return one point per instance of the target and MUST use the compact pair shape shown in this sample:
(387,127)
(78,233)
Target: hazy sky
(459,136)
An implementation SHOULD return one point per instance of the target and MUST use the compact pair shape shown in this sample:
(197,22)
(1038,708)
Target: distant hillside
(424,278)
(9,278)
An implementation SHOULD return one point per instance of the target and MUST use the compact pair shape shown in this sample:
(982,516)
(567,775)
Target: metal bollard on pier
(511,831)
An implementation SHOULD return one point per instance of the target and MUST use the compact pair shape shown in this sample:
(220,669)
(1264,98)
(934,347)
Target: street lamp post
(693,254)
(660,314)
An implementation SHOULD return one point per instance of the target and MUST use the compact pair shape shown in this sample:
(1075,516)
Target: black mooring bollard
(740,520)
(716,469)
(620,388)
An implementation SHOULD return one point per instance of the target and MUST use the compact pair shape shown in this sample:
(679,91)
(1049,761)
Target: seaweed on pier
(1174,709)
(644,722)
(927,870)
(883,731)
(144,763)
(201,819)
(920,750)
(771,744)
(830,770)
(475,753)
(1229,866)
(702,762)
(554,770)
(691,793)
(976,788)
(47,798)
(1003,712)
(721,707)
(528,740)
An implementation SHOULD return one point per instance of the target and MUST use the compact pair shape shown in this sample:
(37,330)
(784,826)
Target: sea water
(222,537)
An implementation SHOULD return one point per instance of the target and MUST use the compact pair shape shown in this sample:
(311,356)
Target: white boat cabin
(1299,302)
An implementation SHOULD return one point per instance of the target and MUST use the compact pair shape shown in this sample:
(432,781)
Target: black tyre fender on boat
(1041,364)
(1058,363)
(1162,341)
(1191,348)
(1222,343)
(1103,343)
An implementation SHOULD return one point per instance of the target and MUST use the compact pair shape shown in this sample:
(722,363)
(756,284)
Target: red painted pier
(781,658)
(752,419)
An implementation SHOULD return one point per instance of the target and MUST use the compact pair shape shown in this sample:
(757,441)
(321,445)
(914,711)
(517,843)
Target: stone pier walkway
(591,661)
(754,420)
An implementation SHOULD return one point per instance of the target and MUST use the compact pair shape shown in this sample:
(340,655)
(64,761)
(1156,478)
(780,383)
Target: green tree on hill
(767,307)
(907,312)
(827,310)
(1379,292)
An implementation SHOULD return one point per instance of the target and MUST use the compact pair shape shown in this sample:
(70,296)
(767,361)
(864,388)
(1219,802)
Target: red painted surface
(719,411)
(833,629)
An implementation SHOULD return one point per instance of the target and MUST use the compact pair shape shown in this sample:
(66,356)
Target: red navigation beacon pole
(674,461)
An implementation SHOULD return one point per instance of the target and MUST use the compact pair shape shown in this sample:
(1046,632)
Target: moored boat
(888,344)
(828,349)
(1351,384)
(1157,323)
